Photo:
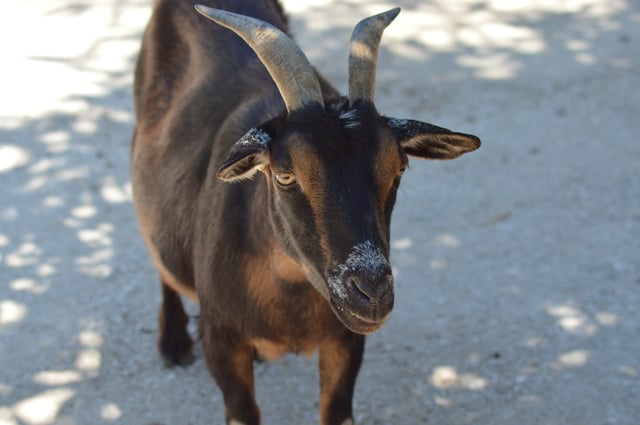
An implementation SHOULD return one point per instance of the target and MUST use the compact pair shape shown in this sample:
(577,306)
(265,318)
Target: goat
(296,260)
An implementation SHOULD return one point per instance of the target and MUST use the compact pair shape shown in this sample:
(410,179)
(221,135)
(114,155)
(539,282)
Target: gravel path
(517,266)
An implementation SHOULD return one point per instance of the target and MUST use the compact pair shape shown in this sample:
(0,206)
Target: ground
(517,266)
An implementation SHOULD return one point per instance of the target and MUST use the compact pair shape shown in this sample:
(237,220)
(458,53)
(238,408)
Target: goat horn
(288,66)
(363,54)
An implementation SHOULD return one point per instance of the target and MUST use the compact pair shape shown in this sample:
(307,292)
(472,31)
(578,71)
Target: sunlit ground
(517,268)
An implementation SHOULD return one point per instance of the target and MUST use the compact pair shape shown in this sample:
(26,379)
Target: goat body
(296,258)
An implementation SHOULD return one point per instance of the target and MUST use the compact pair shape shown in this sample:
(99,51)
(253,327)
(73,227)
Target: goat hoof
(176,350)
(183,360)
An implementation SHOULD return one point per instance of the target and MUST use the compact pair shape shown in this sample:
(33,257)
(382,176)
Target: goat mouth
(356,322)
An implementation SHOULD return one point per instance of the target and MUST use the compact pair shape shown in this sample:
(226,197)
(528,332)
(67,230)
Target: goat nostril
(357,283)
(372,290)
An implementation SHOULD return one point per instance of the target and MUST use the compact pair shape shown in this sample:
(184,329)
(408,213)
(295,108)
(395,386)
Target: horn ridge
(363,54)
(284,60)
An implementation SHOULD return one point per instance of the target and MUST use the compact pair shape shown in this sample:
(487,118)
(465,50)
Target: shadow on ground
(517,267)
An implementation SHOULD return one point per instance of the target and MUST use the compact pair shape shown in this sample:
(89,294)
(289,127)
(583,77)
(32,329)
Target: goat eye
(285,179)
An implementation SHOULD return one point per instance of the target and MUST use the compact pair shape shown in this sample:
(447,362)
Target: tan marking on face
(387,168)
(311,177)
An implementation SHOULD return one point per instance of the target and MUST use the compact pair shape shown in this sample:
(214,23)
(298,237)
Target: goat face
(332,174)
(345,175)
(333,168)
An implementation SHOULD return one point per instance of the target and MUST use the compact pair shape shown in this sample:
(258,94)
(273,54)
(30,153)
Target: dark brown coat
(293,259)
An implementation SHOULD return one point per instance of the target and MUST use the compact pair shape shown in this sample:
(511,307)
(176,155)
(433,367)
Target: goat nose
(373,289)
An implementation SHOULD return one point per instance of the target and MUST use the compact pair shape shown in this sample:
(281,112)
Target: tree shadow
(484,317)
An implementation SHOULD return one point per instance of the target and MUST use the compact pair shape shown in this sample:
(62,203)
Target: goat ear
(246,157)
(431,142)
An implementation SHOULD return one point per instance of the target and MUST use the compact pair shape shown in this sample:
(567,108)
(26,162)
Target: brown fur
(274,282)
(274,269)
(312,177)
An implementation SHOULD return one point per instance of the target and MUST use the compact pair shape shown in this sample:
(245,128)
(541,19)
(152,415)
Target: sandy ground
(517,267)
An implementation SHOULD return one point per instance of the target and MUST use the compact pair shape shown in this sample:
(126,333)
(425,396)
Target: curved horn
(288,66)
(363,54)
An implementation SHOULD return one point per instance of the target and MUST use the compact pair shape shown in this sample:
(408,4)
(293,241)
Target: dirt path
(517,267)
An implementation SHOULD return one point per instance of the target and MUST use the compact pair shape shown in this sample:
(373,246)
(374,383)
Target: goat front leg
(231,364)
(339,362)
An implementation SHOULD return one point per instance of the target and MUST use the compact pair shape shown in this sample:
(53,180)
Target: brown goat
(289,262)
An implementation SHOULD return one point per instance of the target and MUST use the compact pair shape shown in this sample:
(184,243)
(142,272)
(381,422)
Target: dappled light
(516,270)
(447,377)
(402,251)
(11,312)
(576,358)
(43,408)
(573,320)
(26,284)
(12,157)
(110,412)
(57,377)
(65,128)
(489,39)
